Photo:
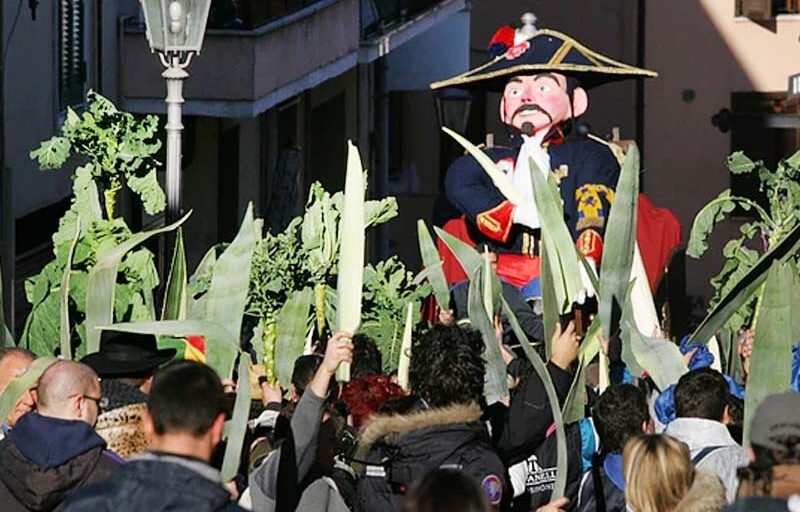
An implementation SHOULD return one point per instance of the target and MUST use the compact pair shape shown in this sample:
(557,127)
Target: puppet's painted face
(537,103)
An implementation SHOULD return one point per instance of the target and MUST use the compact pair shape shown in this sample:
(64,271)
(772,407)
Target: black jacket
(43,459)
(403,448)
(156,482)
(613,488)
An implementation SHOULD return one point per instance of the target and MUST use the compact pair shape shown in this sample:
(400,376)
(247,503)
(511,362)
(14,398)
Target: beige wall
(700,45)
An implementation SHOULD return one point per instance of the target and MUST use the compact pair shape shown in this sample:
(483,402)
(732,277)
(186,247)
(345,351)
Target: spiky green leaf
(291,330)
(236,428)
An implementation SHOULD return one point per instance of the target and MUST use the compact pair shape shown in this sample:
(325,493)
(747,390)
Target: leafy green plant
(118,149)
(770,225)
(388,288)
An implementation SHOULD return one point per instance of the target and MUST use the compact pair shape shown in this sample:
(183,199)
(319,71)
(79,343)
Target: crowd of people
(126,429)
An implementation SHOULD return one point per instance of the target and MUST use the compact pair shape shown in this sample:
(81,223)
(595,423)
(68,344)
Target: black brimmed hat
(125,354)
(547,51)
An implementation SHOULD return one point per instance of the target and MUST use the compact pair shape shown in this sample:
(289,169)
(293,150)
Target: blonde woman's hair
(658,473)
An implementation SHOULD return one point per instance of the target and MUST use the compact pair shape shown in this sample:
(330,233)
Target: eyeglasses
(101,401)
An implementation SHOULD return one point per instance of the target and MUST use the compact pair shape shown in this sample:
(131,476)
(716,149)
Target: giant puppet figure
(543,76)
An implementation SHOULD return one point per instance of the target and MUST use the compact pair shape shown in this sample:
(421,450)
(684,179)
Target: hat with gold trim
(528,51)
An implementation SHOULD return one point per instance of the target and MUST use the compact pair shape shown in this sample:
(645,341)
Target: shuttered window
(72,54)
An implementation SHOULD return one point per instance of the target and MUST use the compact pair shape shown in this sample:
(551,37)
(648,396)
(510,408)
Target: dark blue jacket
(157,482)
(43,459)
(592,172)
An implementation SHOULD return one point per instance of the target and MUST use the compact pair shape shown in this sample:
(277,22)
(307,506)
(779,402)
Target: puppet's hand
(527,215)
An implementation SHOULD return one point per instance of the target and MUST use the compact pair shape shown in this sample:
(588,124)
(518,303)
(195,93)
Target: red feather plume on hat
(502,40)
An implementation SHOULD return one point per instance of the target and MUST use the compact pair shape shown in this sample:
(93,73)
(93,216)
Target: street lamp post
(175,29)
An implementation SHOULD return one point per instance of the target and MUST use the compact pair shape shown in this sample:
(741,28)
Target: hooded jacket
(156,482)
(43,459)
(707,494)
(402,448)
(727,456)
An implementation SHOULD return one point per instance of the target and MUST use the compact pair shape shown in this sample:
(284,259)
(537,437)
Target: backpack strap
(599,492)
(705,452)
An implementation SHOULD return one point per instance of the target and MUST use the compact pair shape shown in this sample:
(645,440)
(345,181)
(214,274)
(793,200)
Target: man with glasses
(54,450)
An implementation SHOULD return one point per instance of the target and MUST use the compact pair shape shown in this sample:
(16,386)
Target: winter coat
(282,477)
(156,482)
(120,424)
(784,490)
(402,448)
(43,459)
(707,494)
(612,481)
(723,461)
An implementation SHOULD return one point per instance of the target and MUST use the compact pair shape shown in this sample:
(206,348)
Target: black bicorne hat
(546,51)
(125,354)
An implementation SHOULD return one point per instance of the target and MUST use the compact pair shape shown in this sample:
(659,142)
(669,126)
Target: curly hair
(447,366)
(366,395)
(618,416)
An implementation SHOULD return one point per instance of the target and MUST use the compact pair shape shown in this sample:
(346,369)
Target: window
(763,10)
(72,53)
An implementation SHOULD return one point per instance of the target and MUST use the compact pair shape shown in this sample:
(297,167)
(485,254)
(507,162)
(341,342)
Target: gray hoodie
(723,461)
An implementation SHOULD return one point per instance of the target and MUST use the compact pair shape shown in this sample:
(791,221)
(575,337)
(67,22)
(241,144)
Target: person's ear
(217,429)
(726,416)
(148,425)
(295,394)
(147,385)
(580,102)
(751,454)
(34,393)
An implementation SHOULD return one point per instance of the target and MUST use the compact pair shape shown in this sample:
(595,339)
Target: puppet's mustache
(528,128)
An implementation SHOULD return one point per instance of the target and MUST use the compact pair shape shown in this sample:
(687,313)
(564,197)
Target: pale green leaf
(291,330)
(575,404)
(149,191)
(176,295)
(469,258)
(433,264)
(351,259)
(227,295)
(64,330)
(102,280)
(771,362)
(738,163)
(706,219)
(619,243)
(405,350)
(495,386)
(52,153)
(236,428)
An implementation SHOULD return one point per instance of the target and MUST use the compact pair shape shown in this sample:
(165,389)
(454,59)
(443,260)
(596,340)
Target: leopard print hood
(122,430)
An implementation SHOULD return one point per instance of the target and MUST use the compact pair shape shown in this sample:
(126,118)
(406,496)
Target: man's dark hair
(447,366)
(444,490)
(367,359)
(19,351)
(701,394)
(186,397)
(618,416)
(304,369)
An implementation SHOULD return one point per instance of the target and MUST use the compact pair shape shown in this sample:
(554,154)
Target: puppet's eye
(515,92)
(545,88)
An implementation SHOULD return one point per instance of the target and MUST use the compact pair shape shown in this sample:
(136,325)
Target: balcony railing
(251,14)
(379,16)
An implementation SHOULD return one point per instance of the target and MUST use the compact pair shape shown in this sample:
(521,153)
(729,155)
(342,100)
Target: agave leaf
(469,258)
(176,302)
(550,306)
(495,387)
(350,281)
(221,346)
(199,283)
(771,362)
(742,292)
(574,407)
(291,331)
(560,485)
(619,243)
(237,426)
(498,177)
(227,295)
(102,281)
(433,264)
(22,383)
(557,241)
(659,358)
(405,349)
(64,331)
